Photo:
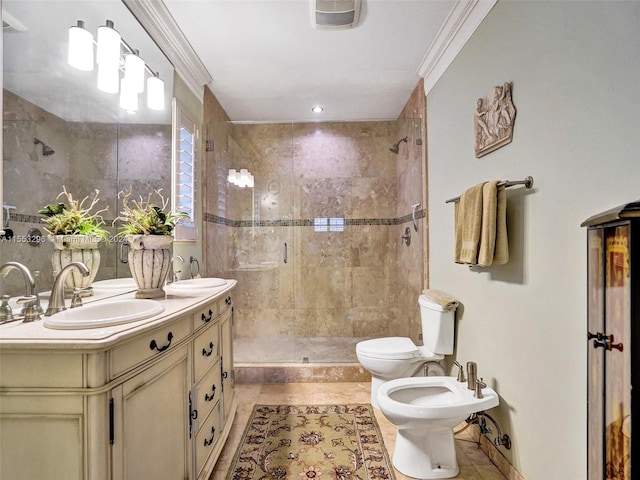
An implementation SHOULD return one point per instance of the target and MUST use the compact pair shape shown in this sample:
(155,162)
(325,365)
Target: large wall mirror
(60,129)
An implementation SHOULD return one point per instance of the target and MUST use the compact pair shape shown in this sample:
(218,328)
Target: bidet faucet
(479,386)
(472,375)
(461,378)
(29,281)
(56,302)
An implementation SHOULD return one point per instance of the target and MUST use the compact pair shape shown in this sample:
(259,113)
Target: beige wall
(576,132)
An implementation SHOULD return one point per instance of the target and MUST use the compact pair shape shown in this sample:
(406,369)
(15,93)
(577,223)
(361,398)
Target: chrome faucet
(56,302)
(174,274)
(29,281)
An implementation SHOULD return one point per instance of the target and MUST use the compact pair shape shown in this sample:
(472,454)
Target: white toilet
(425,410)
(389,358)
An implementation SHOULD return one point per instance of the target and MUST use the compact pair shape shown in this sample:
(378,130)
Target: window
(328,224)
(184,174)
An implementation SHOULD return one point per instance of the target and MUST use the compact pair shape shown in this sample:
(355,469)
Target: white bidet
(425,410)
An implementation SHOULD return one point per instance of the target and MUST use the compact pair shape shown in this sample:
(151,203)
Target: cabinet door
(617,392)
(151,422)
(228,377)
(41,438)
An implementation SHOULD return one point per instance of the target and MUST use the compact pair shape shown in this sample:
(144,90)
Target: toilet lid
(388,347)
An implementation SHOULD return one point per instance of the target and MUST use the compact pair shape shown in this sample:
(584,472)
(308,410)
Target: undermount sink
(104,314)
(194,286)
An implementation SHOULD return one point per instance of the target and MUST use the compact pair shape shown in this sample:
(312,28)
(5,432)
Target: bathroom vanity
(149,399)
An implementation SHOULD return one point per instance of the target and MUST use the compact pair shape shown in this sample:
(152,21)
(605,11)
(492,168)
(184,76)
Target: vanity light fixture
(113,56)
(317,109)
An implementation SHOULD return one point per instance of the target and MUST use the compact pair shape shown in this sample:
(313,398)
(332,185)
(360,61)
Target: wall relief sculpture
(493,120)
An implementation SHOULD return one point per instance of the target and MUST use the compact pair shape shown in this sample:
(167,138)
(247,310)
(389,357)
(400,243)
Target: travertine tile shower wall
(339,281)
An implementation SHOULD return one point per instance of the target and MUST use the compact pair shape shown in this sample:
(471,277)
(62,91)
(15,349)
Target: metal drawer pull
(227,300)
(204,317)
(209,441)
(208,398)
(154,346)
(204,351)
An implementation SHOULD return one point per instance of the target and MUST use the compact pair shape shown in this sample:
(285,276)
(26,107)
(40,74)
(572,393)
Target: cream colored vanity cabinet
(155,403)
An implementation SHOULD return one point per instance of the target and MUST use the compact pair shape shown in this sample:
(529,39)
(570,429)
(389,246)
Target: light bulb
(134,71)
(108,78)
(80,53)
(108,51)
(155,93)
(128,96)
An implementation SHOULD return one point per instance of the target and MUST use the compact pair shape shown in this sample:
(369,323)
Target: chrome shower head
(46,149)
(395,148)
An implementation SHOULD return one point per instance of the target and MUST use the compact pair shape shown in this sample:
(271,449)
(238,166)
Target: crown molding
(463,20)
(155,18)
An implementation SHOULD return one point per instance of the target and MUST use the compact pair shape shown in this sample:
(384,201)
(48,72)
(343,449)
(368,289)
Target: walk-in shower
(314,244)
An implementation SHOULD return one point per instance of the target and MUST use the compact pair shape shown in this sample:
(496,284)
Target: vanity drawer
(211,312)
(207,437)
(208,391)
(147,346)
(206,350)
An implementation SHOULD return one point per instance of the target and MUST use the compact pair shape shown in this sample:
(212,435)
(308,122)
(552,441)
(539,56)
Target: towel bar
(527,182)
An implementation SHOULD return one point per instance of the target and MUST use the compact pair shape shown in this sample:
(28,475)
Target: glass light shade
(108,78)
(128,96)
(155,93)
(108,52)
(134,71)
(80,54)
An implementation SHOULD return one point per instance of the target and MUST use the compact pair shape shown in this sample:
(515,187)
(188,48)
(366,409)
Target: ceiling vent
(335,14)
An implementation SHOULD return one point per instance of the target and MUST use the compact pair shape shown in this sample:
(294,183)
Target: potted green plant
(75,230)
(147,228)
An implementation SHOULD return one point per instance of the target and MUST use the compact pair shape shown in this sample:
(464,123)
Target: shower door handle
(284,252)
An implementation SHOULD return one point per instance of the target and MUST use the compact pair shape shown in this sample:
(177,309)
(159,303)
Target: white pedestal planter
(149,260)
(76,248)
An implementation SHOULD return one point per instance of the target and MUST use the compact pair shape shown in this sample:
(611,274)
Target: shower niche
(613,333)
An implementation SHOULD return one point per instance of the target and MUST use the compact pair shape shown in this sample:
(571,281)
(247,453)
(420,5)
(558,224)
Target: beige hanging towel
(445,300)
(468,225)
(501,255)
(487,245)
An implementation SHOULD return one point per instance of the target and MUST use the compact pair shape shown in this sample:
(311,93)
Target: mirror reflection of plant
(74,217)
(143,217)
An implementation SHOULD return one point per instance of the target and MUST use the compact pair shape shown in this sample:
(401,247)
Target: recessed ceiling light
(317,109)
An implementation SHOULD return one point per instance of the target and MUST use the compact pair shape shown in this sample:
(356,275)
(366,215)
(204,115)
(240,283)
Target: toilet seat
(394,348)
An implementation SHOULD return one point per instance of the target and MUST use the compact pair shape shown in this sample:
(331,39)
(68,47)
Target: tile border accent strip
(308,222)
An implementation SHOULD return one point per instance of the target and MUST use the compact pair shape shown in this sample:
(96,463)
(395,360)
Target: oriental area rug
(303,442)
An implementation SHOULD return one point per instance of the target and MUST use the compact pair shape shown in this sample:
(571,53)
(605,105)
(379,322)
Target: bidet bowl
(438,401)
(104,314)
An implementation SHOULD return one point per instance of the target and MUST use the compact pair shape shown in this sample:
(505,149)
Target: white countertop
(34,335)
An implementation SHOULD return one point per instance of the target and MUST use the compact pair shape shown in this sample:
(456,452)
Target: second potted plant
(147,228)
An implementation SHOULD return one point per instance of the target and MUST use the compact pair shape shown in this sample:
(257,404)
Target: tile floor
(474,464)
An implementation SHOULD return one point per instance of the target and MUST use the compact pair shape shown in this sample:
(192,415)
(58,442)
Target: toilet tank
(437,326)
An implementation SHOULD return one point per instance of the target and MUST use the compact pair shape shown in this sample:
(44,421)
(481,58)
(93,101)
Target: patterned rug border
(388,474)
